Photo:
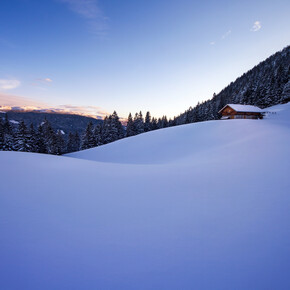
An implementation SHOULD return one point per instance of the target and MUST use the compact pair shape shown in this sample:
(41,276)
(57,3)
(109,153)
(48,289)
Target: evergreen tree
(147,124)
(50,139)
(130,130)
(159,123)
(98,135)
(88,140)
(107,133)
(164,122)
(73,142)
(32,139)
(40,141)
(53,145)
(1,135)
(8,135)
(154,124)
(285,98)
(70,143)
(59,143)
(77,142)
(21,138)
(117,131)
(139,123)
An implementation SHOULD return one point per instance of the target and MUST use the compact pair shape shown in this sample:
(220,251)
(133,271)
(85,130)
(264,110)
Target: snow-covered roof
(244,108)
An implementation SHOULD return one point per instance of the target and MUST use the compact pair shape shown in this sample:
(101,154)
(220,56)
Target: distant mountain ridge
(265,85)
(65,122)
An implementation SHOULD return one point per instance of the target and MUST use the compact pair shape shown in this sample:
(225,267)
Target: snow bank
(201,206)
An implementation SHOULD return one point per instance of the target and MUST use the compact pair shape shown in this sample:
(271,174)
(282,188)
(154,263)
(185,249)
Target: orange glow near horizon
(70,110)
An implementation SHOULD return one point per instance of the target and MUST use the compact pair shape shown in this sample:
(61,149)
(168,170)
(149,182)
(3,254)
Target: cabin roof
(243,108)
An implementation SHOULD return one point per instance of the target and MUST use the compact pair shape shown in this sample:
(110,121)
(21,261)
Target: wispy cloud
(91,12)
(93,111)
(42,83)
(256,26)
(6,84)
(226,34)
(212,43)
(9,100)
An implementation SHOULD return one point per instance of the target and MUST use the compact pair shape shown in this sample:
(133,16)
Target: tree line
(44,139)
(112,129)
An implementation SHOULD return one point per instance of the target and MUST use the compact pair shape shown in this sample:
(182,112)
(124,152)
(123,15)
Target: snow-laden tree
(139,123)
(88,140)
(1,135)
(8,135)
(59,143)
(98,134)
(40,146)
(21,138)
(147,123)
(130,130)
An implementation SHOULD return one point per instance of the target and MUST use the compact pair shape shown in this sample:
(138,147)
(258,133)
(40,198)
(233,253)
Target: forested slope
(265,85)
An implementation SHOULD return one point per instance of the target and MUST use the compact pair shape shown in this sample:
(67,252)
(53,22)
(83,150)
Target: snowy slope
(200,206)
(190,141)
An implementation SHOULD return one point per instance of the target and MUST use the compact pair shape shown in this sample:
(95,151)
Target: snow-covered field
(199,206)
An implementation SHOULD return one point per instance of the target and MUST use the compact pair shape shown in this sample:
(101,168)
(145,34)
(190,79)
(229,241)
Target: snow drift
(199,206)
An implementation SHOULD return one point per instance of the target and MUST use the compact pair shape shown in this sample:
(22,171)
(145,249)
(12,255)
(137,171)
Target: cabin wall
(241,116)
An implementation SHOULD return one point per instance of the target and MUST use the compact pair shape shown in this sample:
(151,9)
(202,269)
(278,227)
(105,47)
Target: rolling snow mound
(199,206)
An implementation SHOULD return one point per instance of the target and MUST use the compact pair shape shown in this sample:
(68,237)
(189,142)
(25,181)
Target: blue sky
(130,55)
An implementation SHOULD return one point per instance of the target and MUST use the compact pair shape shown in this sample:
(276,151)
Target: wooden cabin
(236,111)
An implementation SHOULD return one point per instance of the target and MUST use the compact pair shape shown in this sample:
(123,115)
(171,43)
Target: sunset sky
(96,56)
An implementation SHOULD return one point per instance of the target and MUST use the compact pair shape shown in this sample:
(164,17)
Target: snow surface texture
(199,206)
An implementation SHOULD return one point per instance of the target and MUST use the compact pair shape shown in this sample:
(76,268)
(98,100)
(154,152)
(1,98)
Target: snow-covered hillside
(199,206)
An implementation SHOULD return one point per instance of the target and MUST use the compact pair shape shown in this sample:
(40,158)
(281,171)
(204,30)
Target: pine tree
(130,130)
(139,123)
(1,135)
(8,135)
(21,138)
(107,130)
(77,142)
(73,142)
(32,139)
(40,141)
(285,98)
(117,128)
(164,122)
(88,140)
(70,143)
(53,147)
(147,124)
(59,143)
(154,124)
(50,140)
(98,135)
